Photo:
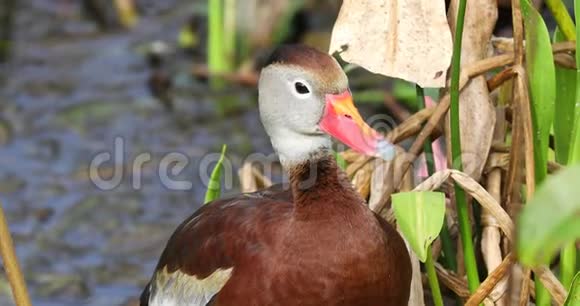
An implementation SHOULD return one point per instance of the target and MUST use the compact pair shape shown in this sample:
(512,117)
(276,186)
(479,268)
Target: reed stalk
(562,17)
(230,34)
(11,266)
(215,46)
(460,196)
(429,263)
(432,277)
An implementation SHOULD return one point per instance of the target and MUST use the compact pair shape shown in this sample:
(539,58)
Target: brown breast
(317,244)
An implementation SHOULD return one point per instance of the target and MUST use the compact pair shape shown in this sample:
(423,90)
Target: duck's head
(304,98)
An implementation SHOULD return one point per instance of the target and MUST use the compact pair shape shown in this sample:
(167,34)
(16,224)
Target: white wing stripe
(178,289)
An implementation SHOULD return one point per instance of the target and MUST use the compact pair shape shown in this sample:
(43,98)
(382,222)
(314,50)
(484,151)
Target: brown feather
(318,64)
(317,244)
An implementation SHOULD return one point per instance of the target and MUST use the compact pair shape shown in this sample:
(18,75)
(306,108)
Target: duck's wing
(202,253)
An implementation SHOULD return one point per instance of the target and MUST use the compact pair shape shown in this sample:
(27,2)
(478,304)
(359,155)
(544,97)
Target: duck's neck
(295,148)
(318,182)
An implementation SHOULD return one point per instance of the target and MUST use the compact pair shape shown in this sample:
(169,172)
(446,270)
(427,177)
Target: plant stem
(574,154)
(460,196)
(542,294)
(429,264)
(568,264)
(563,19)
(432,276)
(230,34)
(13,272)
(448,249)
(215,53)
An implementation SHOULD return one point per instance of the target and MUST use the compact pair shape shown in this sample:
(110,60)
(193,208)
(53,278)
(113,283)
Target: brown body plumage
(325,248)
(316,243)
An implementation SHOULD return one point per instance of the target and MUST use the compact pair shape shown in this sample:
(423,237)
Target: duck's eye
(301,88)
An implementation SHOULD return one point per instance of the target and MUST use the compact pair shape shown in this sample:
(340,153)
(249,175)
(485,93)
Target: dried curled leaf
(476,112)
(407,39)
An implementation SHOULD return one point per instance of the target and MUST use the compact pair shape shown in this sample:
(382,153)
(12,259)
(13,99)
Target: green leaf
(542,79)
(564,109)
(574,156)
(565,23)
(574,292)
(550,219)
(420,216)
(214,186)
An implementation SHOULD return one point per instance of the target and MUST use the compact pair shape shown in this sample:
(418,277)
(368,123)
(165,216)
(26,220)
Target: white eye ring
(301,89)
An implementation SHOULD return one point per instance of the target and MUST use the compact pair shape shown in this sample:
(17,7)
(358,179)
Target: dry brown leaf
(416,297)
(476,112)
(362,180)
(408,39)
(491,236)
(524,297)
(514,284)
(386,179)
(493,279)
(450,280)
(411,126)
(251,179)
(440,110)
(247,180)
(381,183)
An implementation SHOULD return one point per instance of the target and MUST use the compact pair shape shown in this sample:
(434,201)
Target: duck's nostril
(348,116)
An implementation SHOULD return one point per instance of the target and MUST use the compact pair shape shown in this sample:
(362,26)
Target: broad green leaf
(214,185)
(542,79)
(420,216)
(574,292)
(564,108)
(550,219)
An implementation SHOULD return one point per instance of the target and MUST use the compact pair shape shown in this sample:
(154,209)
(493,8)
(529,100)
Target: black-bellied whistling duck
(316,244)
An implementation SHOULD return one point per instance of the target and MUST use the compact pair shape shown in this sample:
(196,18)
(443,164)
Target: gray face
(292,102)
(293,98)
(290,98)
